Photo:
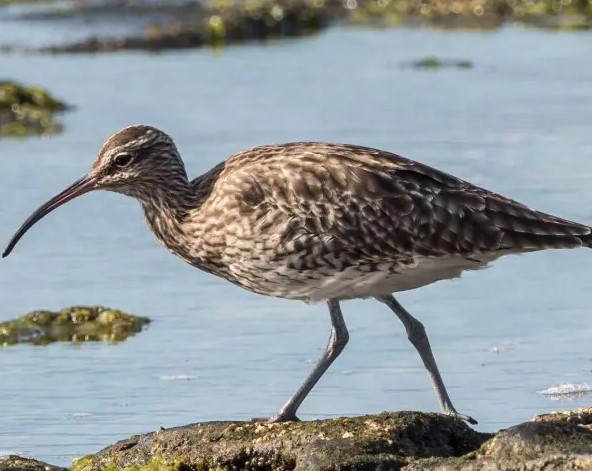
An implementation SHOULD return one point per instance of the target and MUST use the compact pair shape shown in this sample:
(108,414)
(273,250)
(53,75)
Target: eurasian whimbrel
(319,222)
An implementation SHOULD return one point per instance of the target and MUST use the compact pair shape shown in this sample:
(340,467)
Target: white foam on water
(567,391)
(503,347)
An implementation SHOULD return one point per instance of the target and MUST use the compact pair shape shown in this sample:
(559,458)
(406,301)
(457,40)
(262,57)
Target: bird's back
(314,220)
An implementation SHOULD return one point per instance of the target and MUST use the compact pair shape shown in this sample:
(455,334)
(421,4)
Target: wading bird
(319,222)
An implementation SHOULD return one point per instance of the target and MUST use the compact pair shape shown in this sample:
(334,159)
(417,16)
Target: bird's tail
(587,239)
(536,231)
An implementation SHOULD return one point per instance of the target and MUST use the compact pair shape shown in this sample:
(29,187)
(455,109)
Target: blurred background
(498,92)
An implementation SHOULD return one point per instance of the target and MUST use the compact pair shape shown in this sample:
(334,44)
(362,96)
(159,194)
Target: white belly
(355,282)
(426,270)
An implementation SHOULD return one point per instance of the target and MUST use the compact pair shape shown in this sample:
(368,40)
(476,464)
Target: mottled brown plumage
(317,210)
(320,222)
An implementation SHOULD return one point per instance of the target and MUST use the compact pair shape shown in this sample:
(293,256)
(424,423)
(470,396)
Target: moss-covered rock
(27,110)
(18,463)
(385,441)
(225,22)
(74,324)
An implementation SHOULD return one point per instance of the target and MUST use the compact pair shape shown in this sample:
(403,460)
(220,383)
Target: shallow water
(517,123)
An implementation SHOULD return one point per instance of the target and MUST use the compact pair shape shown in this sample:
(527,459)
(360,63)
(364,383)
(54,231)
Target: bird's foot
(466,418)
(277,418)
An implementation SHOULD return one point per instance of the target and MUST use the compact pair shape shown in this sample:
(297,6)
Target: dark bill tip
(84,185)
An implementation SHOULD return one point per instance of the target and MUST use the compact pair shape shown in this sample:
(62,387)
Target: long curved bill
(84,185)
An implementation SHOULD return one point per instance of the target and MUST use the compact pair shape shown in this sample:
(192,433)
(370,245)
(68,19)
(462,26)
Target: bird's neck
(175,216)
(166,210)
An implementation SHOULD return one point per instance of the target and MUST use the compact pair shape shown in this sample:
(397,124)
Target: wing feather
(378,206)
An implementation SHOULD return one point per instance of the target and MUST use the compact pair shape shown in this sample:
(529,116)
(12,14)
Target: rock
(385,441)
(230,21)
(18,463)
(582,416)
(401,441)
(549,446)
(74,324)
(27,110)
(405,441)
(225,22)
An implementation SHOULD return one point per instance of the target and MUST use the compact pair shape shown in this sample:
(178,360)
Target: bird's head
(134,161)
(137,161)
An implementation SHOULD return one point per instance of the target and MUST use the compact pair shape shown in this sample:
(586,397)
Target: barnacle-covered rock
(19,463)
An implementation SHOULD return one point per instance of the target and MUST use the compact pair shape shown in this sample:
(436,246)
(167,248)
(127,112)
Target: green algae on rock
(27,110)
(156,463)
(224,22)
(73,324)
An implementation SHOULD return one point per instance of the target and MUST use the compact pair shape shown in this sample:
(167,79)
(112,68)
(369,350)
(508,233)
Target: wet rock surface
(74,324)
(27,110)
(18,463)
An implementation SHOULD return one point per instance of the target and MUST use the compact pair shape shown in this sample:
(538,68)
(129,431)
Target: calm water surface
(518,123)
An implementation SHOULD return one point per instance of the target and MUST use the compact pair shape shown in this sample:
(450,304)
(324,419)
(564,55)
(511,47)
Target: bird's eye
(122,160)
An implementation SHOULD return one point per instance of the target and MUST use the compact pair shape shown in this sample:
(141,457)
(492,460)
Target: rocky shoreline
(192,24)
(405,441)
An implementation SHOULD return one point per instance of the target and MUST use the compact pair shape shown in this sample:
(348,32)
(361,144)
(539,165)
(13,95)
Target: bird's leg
(337,341)
(418,337)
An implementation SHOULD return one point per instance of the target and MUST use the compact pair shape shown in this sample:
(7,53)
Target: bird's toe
(466,418)
(277,418)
